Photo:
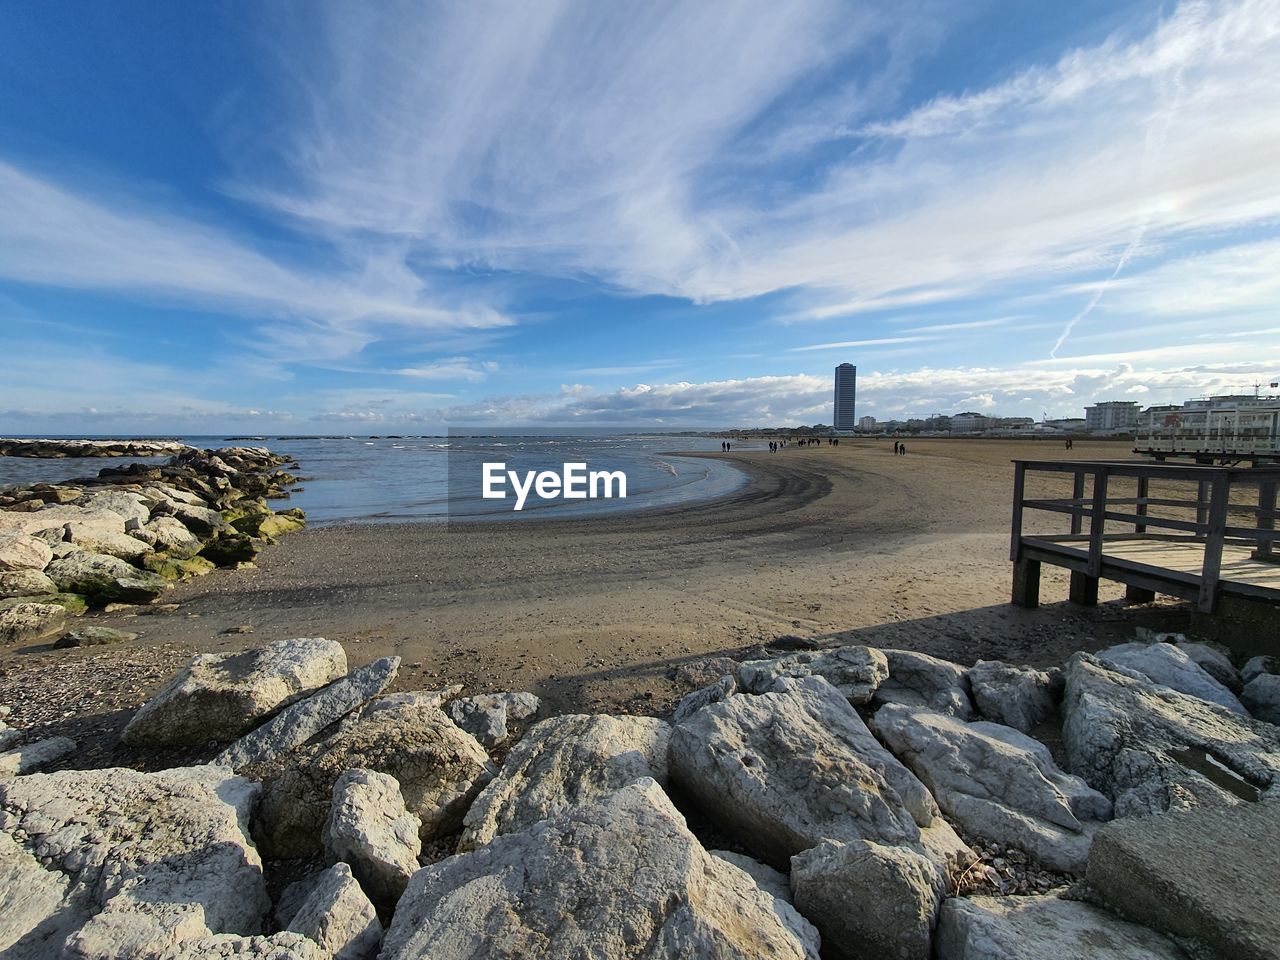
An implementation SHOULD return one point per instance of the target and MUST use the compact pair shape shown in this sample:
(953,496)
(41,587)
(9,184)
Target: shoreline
(615,613)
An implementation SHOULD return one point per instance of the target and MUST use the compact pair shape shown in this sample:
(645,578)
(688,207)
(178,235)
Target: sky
(298,217)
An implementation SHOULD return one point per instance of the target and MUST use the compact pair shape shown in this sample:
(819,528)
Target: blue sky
(318,217)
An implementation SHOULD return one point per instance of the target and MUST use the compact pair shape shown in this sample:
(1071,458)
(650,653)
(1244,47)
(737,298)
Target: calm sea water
(382,480)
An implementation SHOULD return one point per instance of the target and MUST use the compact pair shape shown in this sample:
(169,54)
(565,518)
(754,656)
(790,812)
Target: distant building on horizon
(1118,416)
(846,398)
(866,423)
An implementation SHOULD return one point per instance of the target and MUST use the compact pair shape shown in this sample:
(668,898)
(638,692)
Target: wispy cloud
(852,344)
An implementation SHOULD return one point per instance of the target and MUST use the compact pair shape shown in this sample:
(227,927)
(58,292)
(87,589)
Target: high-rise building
(1111,415)
(846,396)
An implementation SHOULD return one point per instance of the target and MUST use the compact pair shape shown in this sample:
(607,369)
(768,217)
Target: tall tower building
(846,395)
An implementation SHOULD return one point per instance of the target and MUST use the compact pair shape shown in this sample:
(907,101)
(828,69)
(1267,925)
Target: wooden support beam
(1143,490)
(1266,519)
(1136,594)
(1026,583)
(1077,493)
(1217,530)
(1084,589)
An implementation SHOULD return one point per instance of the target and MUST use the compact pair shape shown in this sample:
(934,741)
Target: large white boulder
(24,622)
(219,696)
(370,829)
(616,878)
(785,770)
(919,680)
(104,579)
(562,761)
(440,769)
(1018,697)
(855,671)
(338,917)
(868,900)
(998,784)
(1151,749)
(299,722)
(1170,666)
(1262,696)
(143,862)
(18,551)
(1042,928)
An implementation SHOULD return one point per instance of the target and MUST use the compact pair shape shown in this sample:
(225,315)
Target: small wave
(669,468)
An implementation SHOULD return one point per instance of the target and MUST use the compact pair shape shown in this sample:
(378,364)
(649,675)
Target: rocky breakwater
(62,449)
(126,534)
(862,791)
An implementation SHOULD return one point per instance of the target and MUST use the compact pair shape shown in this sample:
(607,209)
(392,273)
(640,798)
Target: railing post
(1077,493)
(1144,486)
(1015,538)
(1220,497)
(1202,506)
(1098,521)
(1266,521)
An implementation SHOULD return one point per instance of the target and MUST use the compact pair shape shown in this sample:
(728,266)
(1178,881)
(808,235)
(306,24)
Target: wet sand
(844,544)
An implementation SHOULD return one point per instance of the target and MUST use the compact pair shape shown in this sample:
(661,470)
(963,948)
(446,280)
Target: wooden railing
(1207,516)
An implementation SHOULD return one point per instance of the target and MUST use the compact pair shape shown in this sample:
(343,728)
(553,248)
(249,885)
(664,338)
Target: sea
(383,479)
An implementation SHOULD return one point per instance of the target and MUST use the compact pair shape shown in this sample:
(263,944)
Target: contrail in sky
(1156,138)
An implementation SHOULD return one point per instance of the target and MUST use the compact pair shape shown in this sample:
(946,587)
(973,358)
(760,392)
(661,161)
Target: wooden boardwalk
(1216,540)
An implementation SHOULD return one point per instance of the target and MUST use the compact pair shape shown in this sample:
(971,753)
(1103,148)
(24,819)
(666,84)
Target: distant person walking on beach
(902,449)
(895,447)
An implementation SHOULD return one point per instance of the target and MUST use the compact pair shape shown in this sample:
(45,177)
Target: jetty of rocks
(838,803)
(124,535)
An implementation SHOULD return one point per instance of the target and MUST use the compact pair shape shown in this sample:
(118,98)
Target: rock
(1261,696)
(148,860)
(785,770)
(277,524)
(169,535)
(855,671)
(407,698)
(24,622)
(91,636)
(868,900)
(485,716)
(700,673)
(339,917)
(277,946)
(919,680)
(111,543)
(21,552)
(104,579)
(1169,666)
(8,736)
(562,761)
(371,830)
(1151,749)
(72,603)
(25,583)
(619,877)
(722,689)
(440,769)
(1207,875)
(997,784)
(30,897)
(219,696)
(1041,928)
(230,549)
(126,505)
(33,756)
(771,881)
(297,724)
(172,568)
(201,521)
(1018,697)
(1214,662)
(1259,665)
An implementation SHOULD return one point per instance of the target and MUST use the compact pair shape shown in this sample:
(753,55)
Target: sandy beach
(843,544)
